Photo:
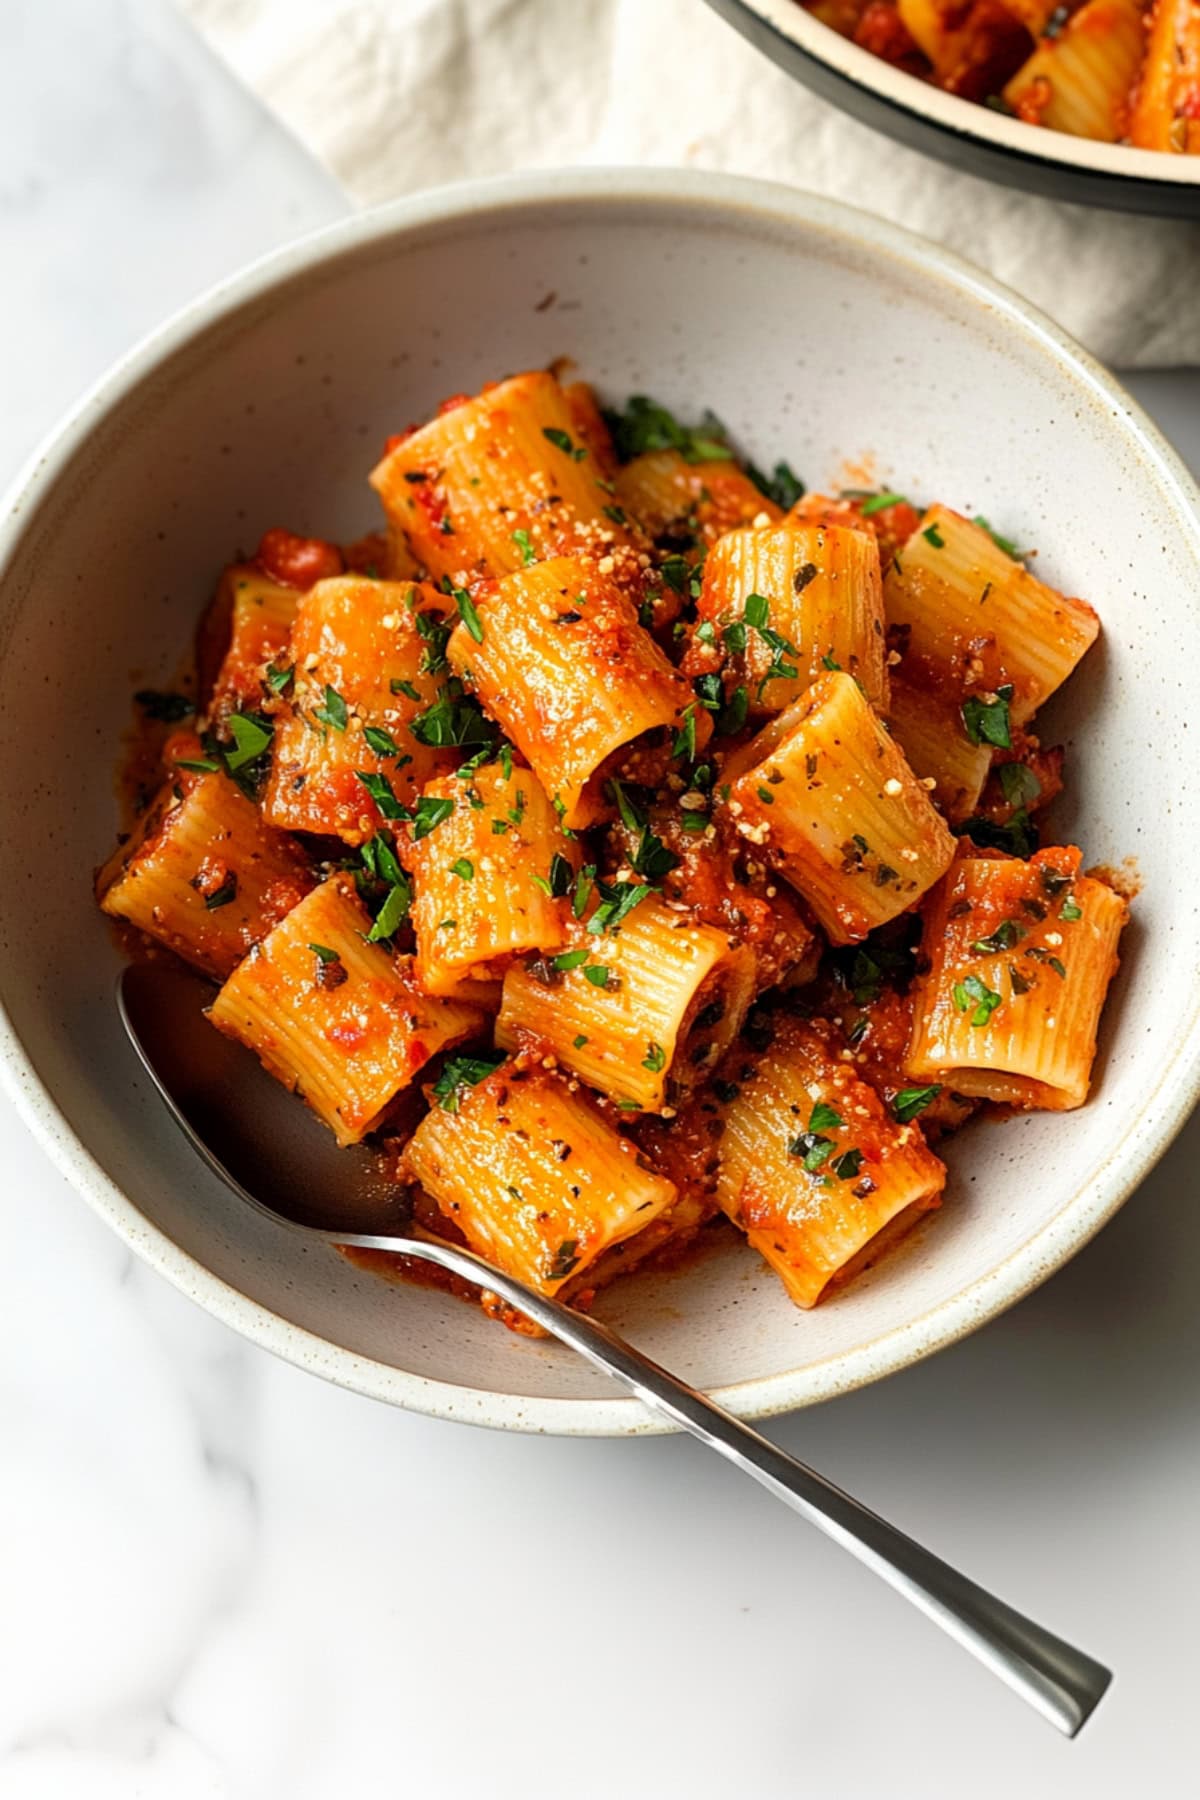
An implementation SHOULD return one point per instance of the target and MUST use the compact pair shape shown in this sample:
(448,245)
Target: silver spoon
(281,1161)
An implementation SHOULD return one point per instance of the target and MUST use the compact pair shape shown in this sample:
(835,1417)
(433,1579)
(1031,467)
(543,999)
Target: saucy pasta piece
(778,605)
(350,748)
(975,622)
(830,802)
(531,1172)
(698,501)
(498,482)
(203,873)
(1079,81)
(336,1017)
(256,616)
(1166,103)
(555,653)
(642,1009)
(489,878)
(811,1166)
(1020,958)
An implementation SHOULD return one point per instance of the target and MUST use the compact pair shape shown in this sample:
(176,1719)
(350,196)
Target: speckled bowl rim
(966,118)
(1168,1099)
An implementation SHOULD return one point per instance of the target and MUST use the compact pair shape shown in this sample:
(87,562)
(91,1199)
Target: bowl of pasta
(1096,101)
(632,693)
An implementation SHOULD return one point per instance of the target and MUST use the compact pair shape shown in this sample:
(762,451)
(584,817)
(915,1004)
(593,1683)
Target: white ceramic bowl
(962,132)
(817,334)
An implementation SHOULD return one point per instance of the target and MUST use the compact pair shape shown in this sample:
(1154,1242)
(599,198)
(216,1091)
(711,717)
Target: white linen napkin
(397,95)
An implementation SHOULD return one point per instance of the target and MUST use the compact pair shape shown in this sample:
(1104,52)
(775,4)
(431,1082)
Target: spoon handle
(1062,1683)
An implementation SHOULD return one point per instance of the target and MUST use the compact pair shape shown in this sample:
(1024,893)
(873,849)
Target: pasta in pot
(629,844)
(1116,71)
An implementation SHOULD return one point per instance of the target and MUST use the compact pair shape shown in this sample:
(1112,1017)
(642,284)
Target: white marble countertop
(220,1577)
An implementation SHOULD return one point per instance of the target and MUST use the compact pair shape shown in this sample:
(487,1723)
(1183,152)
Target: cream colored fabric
(396,95)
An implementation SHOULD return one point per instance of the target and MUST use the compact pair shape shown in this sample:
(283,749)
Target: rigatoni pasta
(532,1173)
(356,736)
(337,1017)
(1117,71)
(641,1003)
(831,803)
(781,604)
(556,654)
(497,482)
(489,879)
(204,873)
(975,624)
(1019,957)
(811,1167)
(628,842)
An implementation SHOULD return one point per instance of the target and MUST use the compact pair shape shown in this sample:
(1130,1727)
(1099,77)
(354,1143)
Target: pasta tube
(642,1010)
(778,605)
(345,755)
(335,1017)
(256,614)
(204,874)
(556,654)
(811,1166)
(532,1174)
(489,879)
(975,621)
(830,802)
(1165,112)
(1080,80)
(498,482)
(1020,957)
(669,496)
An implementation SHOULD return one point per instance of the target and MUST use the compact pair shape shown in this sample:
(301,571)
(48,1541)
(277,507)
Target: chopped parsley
(467,611)
(782,485)
(394,910)
(435,634)
(279,677)
(911,1101)
(558,883)
(685,738)
(524,544)
(598,974)
(429,814)
(381,742)
(974,993)
(462,1072)
(732,716)
(655,1059)
(847,1165)
(569,959)
(406,688)
(324,954)
(335,712)
(933,536)
(464,868)
(561,441)
(1070,911)
(1006,934)
(251,737)
(1019,785)
(646,426)
(223,895)
(383,794)
(987,721)
(880,502)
